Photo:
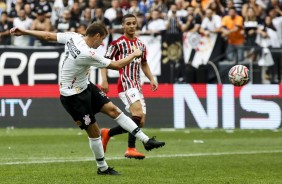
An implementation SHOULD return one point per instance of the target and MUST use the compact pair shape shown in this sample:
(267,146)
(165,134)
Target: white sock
(127,124)
(98,152)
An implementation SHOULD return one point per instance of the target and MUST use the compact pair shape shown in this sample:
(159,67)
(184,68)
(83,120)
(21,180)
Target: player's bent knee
(118,110)
(82,125)
(114,111)
(138,114)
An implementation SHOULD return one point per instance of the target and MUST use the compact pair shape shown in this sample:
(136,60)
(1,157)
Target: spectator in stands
(45,6)
(141,22)
(192,21)
(203,3)
(211,23)
(9,4)
(31,4)
(58,9)
(3,6)
(144,6)
(181,12)
(156,25)
(134,8)
(251,4)
(28,11)
(82,4)
(251,23)
(86,19)
(173,24)
(25,23)
(274,4)
(182,5)
(198,10)
(263,4)
(229,4)
(160,6)
(41,23)
(65,24)
(111,13)
(75,12)
(125,4)
(268,38)
(100,17)
(93,4)
(5,26)
(216,6)
(15,8)
(238,4)
(117,23)
(232,30)
(276,17)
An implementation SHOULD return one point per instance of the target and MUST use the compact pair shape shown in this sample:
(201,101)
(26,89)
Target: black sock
(116,130)
(132,138)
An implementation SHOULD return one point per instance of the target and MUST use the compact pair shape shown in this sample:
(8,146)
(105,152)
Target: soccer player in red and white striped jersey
(129,83)
(130,74)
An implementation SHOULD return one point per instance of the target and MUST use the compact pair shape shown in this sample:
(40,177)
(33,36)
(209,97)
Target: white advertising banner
(202,46)
(249,107)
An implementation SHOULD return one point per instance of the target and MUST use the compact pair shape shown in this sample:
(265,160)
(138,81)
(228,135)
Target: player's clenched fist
(137,53)
(16,31)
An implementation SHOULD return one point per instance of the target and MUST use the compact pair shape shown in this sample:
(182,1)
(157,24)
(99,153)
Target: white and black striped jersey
(78,59)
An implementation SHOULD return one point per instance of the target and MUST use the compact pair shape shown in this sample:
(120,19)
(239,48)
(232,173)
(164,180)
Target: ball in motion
(239,75)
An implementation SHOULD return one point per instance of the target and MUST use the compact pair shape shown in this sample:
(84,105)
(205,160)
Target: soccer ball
(238,75)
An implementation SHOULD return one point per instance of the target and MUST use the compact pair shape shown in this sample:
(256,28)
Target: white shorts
(130,96)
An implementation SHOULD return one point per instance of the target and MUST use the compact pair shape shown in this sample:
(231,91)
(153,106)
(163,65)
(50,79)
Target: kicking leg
(126,123)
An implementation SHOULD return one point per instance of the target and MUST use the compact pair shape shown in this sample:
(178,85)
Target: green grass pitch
(62,156)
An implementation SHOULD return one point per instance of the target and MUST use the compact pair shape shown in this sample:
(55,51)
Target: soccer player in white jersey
(79,96)
(129,83)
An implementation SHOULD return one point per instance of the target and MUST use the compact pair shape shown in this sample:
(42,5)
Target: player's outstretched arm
(116,65)
(42,35)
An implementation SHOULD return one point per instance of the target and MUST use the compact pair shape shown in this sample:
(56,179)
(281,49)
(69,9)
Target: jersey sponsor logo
(87,119)
(72,48)
(78,89)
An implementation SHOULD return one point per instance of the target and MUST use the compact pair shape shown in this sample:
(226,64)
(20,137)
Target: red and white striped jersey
(130,74)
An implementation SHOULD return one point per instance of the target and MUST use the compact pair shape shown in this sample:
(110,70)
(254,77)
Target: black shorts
(83,106)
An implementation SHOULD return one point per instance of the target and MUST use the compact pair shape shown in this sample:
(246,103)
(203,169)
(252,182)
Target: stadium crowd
(239,22)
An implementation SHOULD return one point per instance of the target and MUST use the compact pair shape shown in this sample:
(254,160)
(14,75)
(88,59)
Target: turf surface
(62,156)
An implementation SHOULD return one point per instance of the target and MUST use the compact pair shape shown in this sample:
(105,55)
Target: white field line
(47,160)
